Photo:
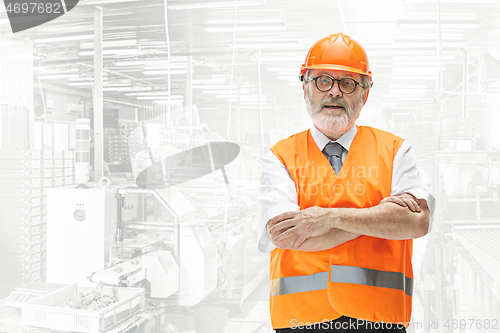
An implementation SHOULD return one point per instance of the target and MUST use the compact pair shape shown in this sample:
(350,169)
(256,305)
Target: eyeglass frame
(356,83)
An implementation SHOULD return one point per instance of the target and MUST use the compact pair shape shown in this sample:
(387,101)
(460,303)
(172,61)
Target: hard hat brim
(338,68)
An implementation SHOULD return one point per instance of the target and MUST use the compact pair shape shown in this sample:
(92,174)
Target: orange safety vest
(366,278)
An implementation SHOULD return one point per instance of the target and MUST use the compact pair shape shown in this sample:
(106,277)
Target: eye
(348,82)
(324,80)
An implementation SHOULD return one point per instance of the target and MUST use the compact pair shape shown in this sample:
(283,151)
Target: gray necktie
(333,152)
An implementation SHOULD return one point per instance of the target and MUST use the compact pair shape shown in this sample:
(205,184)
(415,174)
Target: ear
(304,88)
(365,96)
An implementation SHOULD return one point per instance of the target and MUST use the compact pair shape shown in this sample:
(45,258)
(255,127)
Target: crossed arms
(316,229)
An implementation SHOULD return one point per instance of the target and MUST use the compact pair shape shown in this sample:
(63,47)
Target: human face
(333,112)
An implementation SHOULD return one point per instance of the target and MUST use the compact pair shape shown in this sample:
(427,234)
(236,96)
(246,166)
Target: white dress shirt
(277,192)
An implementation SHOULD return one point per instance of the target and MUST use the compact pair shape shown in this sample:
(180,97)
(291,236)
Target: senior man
(340,205)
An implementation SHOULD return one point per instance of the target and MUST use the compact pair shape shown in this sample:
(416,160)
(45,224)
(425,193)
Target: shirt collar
(345,140)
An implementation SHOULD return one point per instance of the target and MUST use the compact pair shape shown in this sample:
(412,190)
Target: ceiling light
(151,61)
(62,39)
(117,84)
(215,86)
(113,52)
(148,98)
(417,45)
(456,1)
(103,2)
(431,24)
(165,66)
(165,72)
(404,91)
(248,28)
(450,36)
(165,101)
(415,71)
(413,77)
(113,43)
(219,4)
(267,46)
(57,76)
(219,91)
(148,93)
(289,77)
(84,83)
(246,100)
(127,89)
(281,58)
(264,39)
(210,79)
(290,69)
(230,21)
(56,70)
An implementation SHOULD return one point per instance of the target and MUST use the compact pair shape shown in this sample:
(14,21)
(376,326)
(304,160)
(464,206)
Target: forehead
(335,74)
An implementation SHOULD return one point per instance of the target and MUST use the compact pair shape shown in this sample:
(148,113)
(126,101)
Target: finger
(278,234)
(283,216)
(411,196)
(415,200)
(286,234)
(395,200)
(412,203)
(281,227)
(276,220)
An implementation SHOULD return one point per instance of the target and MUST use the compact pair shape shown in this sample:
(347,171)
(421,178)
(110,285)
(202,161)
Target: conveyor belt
(484,247)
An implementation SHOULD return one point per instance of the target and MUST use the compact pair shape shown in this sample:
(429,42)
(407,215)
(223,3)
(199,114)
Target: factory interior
(99,102)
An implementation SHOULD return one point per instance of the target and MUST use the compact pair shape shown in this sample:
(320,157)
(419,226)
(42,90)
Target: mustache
(333,100)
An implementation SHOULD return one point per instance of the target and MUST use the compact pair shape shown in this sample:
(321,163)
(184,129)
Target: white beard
(338,124)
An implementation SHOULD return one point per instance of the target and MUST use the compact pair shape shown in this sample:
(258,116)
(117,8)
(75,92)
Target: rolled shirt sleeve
(277,195)
(406,178)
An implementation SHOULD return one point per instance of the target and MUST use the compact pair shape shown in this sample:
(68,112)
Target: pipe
(261,127)
(466,84)
(98,95)
(167,35)
(439,83)
(228,134)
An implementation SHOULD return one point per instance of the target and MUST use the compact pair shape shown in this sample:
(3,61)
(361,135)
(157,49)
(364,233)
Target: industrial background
(92,98)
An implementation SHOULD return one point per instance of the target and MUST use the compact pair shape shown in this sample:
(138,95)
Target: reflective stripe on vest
(372,277)
(342,274)
(297,284)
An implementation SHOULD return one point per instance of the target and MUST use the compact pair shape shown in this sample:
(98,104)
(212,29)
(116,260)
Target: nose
(335,90)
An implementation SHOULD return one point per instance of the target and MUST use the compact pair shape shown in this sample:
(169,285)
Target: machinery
(180,243)
(95,234)
(461,272)
(183,240)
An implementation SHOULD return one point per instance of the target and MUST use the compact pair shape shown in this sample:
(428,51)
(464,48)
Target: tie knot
(333,149)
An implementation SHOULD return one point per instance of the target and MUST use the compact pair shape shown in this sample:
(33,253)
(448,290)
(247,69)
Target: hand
(404,200)
(291,229)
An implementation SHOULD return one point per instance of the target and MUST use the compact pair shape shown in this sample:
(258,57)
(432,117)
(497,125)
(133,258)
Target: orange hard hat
(338,52)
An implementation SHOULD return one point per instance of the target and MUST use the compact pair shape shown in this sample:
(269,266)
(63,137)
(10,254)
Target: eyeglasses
(325,83)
